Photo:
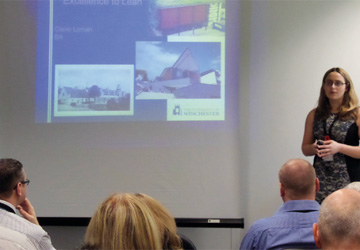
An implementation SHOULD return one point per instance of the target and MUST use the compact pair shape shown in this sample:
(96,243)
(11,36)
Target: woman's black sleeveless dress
(336,174)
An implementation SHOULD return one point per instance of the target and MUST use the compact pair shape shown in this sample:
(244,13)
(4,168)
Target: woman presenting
(332,133)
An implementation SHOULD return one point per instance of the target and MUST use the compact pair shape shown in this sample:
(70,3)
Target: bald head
(298,179)
(354,185)
(339,219)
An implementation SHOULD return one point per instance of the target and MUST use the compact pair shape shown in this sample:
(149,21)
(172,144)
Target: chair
(187,243)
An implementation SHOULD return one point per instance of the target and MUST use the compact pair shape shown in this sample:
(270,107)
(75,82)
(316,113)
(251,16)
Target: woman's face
(335,86)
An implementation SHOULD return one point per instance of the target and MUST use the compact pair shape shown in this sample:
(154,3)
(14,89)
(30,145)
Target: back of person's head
(339,221)
(298,180)
(165,221)
(122,221)
(354,185)
(11,172)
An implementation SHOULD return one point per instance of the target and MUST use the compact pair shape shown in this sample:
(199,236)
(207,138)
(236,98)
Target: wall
(292,45)
(286,48)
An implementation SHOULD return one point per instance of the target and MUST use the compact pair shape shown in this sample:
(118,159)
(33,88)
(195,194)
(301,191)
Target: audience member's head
(339,221)
(12,181)
(123,221)
(13,191)
(354,185)
(165,221)
(298,180)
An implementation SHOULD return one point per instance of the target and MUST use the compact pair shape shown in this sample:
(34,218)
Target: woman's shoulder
(311,114)
(358,111)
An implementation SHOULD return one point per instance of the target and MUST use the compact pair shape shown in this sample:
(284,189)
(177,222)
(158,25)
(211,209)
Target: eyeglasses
(25,182)
(330,83)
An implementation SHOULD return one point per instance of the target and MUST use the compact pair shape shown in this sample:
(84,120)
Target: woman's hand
(329,147)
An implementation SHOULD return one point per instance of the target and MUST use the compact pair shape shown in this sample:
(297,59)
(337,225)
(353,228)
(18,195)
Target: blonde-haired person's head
(123,221)
(350,101)
(165,221)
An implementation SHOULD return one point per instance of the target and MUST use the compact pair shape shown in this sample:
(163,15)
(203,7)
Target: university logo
(177,110)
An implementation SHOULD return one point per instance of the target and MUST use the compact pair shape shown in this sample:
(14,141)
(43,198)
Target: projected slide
(130,60)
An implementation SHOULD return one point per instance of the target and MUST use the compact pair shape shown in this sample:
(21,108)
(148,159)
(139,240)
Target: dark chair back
(187,243)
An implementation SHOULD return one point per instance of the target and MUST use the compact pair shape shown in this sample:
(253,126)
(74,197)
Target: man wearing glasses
(13,190)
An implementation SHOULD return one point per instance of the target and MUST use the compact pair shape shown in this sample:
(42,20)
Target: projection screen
(124,96)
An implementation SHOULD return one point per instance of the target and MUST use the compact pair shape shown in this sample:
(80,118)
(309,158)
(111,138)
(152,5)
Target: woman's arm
(308,146)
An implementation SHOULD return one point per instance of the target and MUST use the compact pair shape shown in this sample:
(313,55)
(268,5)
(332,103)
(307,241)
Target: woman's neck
(335,106)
